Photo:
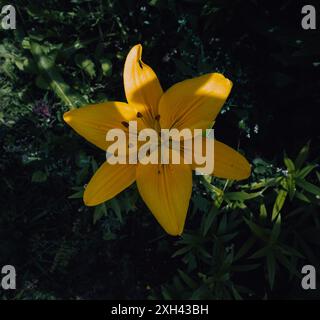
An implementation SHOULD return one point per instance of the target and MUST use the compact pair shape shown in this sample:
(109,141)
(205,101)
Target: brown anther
(139,115)
(157,117)
(125,124)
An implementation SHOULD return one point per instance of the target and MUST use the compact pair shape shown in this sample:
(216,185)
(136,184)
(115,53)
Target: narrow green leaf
(208,220)
(241,195)
(115,206)
(308,187)
(306,170)
(271,267)
(257,230)
(263,211)
(94,165)
(236,294)
(182,251)
(77,195)
(302,156)
(261,253)
(281,197)
(245,248)
(188,280)
(276,229)
(99,212)
(289,164)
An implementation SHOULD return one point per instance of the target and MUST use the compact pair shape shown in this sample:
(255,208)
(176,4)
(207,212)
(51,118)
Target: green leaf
(289,164)
(306,170)
(290,185)
(94,165)
(281,197)
(188,280)
(263,211)
(245,248)
(236,294)
(318,175)
(287,264)
(276,229)
(261,253)
(115,206)
(77,195)
(257,230)
(99,212)
(308,186)
(271,267)
(208,220)
(182,251)
(241,195)
(302,156)
(46,66)
(302,197)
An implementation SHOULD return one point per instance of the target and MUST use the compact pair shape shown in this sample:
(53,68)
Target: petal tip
(88,202)
(247,170)
(67,117)
(136,51)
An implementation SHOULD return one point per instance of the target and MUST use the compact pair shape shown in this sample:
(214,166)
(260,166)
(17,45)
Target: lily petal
(194,103)
(228,163)
(93,121)
(166,190)
(107,182)
(142,87)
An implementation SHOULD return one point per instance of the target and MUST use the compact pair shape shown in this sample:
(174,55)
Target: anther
(139,115)
(125,124)
(157,117)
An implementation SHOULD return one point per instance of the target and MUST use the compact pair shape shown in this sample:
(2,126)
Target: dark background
(58,248)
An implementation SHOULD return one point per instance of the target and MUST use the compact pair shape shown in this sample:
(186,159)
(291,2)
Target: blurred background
(244,240)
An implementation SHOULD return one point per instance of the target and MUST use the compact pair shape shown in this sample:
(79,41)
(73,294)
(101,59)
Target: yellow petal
(141,84)
(93,121)
(107,182)
(166,190)
(194,103)
(228,163)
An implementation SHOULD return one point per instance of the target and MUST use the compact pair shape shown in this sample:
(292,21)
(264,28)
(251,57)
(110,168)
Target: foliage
(243,239)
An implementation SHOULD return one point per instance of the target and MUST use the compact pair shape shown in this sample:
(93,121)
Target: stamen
(139,115)
(125,124)
(157,117)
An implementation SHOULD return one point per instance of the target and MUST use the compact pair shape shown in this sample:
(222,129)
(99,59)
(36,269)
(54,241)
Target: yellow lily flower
(165,188)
